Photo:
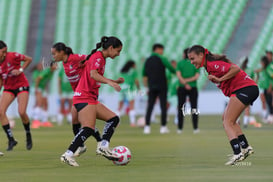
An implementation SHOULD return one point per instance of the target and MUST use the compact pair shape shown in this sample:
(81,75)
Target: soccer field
(171,157)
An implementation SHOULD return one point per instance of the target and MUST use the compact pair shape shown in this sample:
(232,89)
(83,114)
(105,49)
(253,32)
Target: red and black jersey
(220,68)
(13,61)
(72,69)
(87,90)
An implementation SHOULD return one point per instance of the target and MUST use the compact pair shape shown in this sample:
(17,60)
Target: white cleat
(164,130)
(80,151)
(1,153)
(247,151)
(69,160)
(235,158)
(147,130)
(179,131)
(107,153)
(196,131)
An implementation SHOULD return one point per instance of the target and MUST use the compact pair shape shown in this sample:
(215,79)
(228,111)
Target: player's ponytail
(2,44)
(208,55)
(62,47)
(105,43)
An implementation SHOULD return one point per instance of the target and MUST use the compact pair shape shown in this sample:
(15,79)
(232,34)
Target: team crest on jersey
(8,64)
(216,66)
(70,66)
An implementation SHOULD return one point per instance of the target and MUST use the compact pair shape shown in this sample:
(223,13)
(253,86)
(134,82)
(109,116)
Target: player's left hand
(15,72)
(120,80)
(214,79)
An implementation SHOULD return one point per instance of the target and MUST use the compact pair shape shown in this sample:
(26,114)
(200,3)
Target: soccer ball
(125,154)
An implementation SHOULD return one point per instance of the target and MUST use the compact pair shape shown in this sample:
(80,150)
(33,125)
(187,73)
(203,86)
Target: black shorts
(15,92)
(247,95)
(80,106)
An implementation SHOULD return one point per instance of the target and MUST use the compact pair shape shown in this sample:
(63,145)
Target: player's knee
(22,114)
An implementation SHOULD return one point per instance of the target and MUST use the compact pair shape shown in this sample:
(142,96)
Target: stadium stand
(14,21)
(139,24)
(264,41)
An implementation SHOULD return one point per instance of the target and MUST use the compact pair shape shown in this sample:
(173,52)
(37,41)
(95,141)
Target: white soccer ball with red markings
(125,154)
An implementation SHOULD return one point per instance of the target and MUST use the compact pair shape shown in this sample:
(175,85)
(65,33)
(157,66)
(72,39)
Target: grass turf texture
(155,157)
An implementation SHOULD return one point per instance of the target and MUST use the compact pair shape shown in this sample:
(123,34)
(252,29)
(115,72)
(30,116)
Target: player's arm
(233,70)
(99,78)
(194,78)
(37,82)
(27,62)
(167,64)
(180,78)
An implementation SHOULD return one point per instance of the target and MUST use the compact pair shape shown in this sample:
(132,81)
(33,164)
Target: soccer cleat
(247,151)
(107,153)
(29,142)
(11,144)
(80,151)
(179,131)
(69,160)
(164,130)
(35,124)
(1,153)
(147,130)
(235,158)
(196,131)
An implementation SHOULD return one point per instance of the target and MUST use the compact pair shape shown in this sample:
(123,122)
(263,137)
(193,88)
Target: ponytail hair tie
(206,51)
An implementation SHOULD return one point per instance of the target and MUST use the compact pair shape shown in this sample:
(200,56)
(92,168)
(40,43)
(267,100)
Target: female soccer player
(86,102)
(129,91)
(235,84)
(72,64)
(15,85)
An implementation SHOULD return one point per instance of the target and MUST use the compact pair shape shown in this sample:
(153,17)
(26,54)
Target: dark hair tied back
(2,44)
(105,43)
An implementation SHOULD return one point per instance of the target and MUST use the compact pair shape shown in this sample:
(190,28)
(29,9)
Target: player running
(15,85)
(237,85)
(86,101)
(73,66)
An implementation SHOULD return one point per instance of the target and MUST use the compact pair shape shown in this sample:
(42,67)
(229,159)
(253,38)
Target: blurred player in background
(86,101)
(72,65)
(130,88)
(237,85)
(42,89)
(154,73)
(187,75)
(15,85)
(263,83)
(250,72)
(66,95)
(172,89)
(34,115)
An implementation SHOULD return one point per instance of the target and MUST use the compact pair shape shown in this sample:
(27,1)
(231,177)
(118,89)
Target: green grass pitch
(155,157)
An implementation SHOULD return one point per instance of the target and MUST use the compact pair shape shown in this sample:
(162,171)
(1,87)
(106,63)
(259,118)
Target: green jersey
(187,70)
(45,76)
(130,78)
(65,84)
(35,75)
(263,81)
(269,71)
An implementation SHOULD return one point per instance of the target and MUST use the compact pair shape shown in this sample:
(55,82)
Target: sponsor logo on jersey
(77,93)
